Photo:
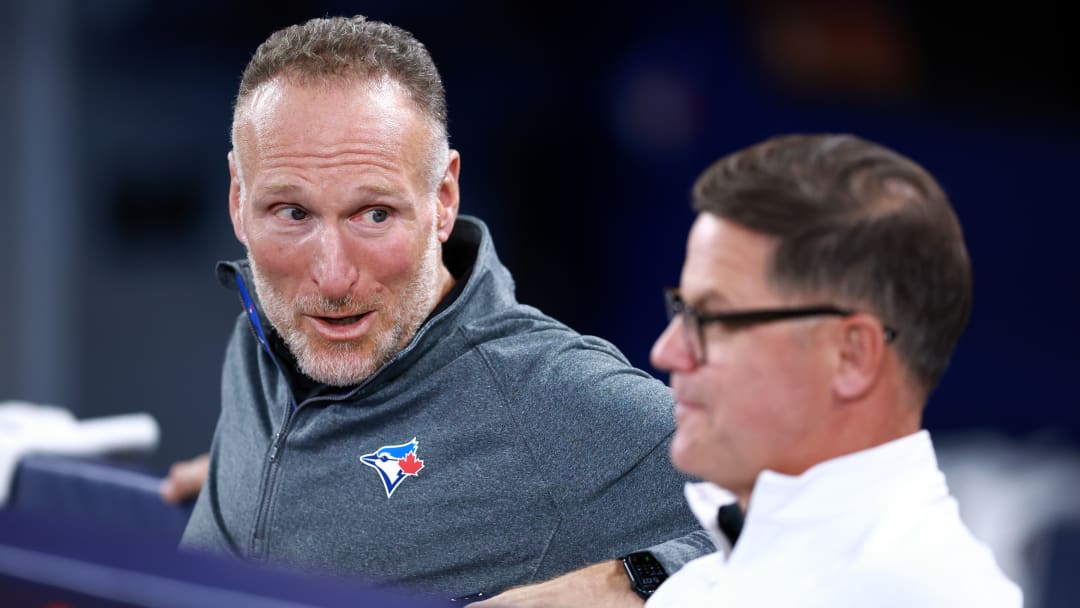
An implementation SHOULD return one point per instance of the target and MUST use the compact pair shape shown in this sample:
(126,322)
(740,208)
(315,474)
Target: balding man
(389,410)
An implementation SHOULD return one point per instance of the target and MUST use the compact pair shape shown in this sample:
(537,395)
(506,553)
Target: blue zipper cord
(252,313)
(253,316)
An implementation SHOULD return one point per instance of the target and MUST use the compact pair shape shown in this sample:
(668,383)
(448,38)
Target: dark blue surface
(99,493)
(46,561)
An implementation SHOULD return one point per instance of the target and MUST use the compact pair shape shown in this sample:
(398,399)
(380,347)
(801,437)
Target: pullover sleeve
(599,431)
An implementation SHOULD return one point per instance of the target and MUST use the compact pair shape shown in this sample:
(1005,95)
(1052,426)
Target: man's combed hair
(858,224)
(345,49)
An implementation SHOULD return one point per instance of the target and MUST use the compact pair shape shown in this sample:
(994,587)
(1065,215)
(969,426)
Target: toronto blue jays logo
(394,463)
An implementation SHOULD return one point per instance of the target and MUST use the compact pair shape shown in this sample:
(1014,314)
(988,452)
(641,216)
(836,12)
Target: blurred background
(581,129)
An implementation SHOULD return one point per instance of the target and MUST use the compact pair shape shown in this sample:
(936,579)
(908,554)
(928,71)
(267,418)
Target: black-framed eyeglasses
(694,321)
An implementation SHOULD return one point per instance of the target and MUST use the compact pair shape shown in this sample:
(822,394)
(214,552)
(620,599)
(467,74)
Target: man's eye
(378,215)
(291,213)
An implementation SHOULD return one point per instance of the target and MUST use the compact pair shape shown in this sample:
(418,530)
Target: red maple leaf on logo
(410,465)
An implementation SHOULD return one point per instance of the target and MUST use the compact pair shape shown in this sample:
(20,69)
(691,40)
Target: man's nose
(670,352)
(335,271)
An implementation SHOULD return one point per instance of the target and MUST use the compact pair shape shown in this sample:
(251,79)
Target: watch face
(645,572)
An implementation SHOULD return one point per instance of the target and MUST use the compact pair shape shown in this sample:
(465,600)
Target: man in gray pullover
(389,410)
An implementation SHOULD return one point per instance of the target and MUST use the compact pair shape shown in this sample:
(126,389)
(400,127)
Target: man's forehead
(717,241)
(286,111)
(725,262)
(380,96)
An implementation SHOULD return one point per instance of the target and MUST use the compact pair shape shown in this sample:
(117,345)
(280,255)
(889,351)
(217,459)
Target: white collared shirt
(876,528)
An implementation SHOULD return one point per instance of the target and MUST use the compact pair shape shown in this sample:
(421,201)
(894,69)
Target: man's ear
(861,348)
(449,197)
(234,199)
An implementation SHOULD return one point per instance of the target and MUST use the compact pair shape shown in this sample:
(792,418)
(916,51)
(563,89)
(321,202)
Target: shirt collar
(865,479)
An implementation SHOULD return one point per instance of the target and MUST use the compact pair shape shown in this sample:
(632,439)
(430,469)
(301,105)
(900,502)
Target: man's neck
(446,283)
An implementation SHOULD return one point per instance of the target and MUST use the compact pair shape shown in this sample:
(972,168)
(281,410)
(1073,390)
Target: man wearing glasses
(826,284)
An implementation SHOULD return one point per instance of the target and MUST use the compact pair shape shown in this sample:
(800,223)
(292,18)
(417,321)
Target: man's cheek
(391,264)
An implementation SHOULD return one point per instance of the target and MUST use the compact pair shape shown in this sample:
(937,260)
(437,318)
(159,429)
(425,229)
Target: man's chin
(343,363)
(685,456)
(337,373)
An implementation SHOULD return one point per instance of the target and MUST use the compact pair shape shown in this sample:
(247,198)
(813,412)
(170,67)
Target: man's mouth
(349,320)
(342,327)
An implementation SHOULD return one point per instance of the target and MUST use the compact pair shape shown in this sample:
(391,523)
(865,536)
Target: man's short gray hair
(347,49)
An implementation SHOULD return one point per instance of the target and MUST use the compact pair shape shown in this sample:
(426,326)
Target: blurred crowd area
(581,128)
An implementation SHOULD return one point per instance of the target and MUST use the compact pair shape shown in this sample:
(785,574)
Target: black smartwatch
(645,572)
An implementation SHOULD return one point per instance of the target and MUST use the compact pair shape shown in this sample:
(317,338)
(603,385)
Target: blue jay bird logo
(394,463)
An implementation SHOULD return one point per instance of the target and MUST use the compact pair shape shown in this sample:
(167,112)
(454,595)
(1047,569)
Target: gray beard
(338,363)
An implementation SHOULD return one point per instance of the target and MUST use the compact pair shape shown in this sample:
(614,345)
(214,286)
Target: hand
(601,585)
(185,479)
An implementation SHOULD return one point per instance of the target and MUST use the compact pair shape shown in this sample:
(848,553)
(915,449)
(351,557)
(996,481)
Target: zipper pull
(274,446)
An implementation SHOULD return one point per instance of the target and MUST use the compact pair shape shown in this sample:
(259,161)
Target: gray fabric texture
(543,450)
